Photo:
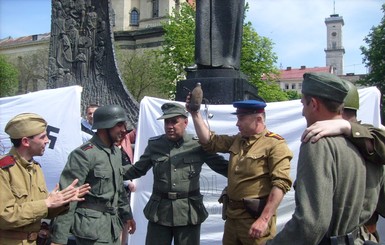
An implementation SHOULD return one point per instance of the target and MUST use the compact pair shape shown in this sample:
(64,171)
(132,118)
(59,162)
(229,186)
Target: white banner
(61,109)
(284,118)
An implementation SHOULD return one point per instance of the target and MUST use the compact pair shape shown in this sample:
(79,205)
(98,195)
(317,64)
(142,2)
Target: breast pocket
(103,178)
(256,164)
(192,166)
(161,167)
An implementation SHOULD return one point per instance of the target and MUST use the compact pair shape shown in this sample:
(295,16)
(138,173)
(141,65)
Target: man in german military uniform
(364,137)
(24,199)
(99,219)
(333,178)
(259,172)
(175,210)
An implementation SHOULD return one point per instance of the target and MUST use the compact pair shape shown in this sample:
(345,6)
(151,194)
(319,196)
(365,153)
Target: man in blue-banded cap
(175,210)
(332,176)
(259,172)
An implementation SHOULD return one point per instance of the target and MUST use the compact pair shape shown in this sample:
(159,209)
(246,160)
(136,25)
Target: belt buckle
(32,236)
(172,195)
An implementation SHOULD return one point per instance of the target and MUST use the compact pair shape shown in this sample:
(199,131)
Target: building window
(293,86)
(155,8)
(300,86)
(134,18)
(286,86)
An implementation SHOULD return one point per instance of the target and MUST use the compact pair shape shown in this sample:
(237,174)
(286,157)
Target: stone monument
(218,38)
(81,53)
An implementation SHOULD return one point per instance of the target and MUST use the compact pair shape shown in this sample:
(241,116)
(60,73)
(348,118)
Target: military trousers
(182,235)
(237,232)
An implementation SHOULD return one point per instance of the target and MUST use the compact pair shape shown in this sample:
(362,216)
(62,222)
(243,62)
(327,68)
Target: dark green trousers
(182,235)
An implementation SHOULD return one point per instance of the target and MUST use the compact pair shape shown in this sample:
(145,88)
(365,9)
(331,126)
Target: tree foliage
(33,68)
(374,58)
(140,73)
(8,78)
(257,59)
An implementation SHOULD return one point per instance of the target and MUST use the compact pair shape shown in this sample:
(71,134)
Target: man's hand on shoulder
(326,128)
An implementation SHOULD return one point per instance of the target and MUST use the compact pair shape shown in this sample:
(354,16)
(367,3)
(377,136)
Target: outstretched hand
(70,194)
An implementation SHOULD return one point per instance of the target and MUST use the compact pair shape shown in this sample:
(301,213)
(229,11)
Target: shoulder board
(155,137)
(7,161)
(273,135)
(87,146)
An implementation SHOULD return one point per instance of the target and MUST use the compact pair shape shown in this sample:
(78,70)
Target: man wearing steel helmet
(259,172)
(24,199)
(175,210)
(357,133)
(99,219)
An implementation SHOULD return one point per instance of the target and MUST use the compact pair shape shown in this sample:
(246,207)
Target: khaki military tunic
(22,193)
(256,165)
(101,167)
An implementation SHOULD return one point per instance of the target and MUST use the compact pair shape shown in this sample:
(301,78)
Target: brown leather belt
(19,235)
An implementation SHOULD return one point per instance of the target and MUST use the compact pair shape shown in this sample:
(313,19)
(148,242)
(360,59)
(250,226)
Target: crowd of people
(339,188)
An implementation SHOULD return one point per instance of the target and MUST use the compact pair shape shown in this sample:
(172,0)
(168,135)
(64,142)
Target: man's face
(90,114)
(37,144)
(117,132)
(247,124)
(175,127)
(307,109)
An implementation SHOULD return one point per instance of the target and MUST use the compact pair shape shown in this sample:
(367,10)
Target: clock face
(334,33)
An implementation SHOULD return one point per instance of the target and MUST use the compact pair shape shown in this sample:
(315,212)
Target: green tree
(257,59)
(374,58)
(8,78)
(140,73)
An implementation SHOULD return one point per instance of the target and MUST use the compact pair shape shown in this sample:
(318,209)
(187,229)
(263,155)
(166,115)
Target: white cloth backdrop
(61,108)
(284,118)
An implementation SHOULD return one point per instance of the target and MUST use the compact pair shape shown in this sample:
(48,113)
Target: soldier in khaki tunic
(175,210)
(100,218)
(24,199)
(333,178)
(258,174)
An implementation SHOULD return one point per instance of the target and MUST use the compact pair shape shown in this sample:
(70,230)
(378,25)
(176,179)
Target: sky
(296,27)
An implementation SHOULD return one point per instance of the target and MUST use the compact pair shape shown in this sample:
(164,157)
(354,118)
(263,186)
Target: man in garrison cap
(332,176)
(369,140)
(258,173)
(175,210)
(24,199)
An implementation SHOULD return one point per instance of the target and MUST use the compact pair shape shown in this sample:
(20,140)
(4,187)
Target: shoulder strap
(7,161)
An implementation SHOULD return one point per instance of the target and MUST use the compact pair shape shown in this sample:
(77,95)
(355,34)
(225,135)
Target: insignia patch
(87,147)
(273,135)
(7,161)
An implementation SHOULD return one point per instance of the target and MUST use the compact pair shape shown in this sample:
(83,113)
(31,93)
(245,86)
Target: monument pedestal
(220,86)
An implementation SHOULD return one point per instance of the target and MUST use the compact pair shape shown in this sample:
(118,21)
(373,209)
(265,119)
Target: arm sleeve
(76,168)
(364,132)
(279,165)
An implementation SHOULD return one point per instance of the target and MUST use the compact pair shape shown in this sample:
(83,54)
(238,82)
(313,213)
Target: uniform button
(174,184)
(357,133)
(174,169)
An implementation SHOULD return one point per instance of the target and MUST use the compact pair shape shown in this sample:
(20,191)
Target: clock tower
(334,50)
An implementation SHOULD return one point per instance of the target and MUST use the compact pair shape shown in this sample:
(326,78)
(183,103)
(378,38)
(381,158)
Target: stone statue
(218,36)
(81,53)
